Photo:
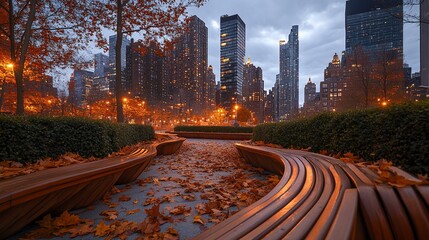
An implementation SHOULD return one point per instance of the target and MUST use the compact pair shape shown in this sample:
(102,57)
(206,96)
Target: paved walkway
(194,189)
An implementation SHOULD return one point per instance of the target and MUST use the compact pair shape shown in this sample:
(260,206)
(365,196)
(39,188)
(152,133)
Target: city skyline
(321,35)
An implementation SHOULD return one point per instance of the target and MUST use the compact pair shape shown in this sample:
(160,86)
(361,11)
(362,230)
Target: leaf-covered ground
(178,197)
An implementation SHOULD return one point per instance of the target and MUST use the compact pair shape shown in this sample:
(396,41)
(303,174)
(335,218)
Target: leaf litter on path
(177,197)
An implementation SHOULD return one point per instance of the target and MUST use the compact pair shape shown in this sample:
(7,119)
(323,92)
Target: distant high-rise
(309,92)
(211,79)
(232,53)
(374,25)
(191,63)
(333,85)
(424,43)
(253,90)
(288,85)
(79,87)
(144,72)
(112,61)
(101,63)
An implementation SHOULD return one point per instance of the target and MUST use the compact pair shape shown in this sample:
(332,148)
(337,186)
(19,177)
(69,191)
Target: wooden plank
(323,224)
(424,193)
(395,212)
(373,214)
(417,211)
(362,177)
(255,214)
(289,207)
(345,221)
(316,203)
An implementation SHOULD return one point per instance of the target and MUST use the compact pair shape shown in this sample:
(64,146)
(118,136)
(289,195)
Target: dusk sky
(321,34)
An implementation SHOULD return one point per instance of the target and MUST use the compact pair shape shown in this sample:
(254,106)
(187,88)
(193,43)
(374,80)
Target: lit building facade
(80,82)
(144,72)
(333,86)
(101,64)
(253,90)
(191,60)
(372,24)
(288,82)
(232,53)
(309,92)
(211,81)
(112,60)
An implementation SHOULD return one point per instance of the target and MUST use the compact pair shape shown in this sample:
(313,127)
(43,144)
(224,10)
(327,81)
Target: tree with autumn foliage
(38,36)
(372,78)
(157,20)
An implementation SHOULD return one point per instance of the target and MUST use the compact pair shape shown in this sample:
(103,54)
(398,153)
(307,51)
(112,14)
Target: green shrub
(399,133)
(222,129)
(27,139)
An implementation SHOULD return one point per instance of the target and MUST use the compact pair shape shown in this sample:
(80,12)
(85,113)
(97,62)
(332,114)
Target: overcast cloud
(321,34)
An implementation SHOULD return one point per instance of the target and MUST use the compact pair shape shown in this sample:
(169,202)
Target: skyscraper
(101,63)
(191,60)
(112,61)
(374,25)
(253,90)
(232,53)
(288,83)
(309,92)
(144,72)
(333,85)
(211,80)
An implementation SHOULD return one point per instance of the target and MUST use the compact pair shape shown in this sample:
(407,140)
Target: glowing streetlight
(9,65)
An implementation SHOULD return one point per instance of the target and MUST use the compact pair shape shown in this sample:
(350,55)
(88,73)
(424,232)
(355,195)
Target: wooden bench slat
(395,212)
(295,172)
(362,177)
(424,193)
(344,224)
(325,192)
(298,186)
(374,216)
(289,207)
(342,182)
(417,210)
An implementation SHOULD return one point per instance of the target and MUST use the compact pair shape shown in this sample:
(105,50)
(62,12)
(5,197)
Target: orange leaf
(102,229)
(66,219)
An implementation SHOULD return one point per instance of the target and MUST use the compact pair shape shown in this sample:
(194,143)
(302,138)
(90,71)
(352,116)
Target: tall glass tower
(374,25)
(288,87)
(232,53)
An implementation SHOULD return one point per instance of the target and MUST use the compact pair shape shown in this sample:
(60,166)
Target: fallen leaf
(102,229)
(133,211)
(199,219)
(66,219)
(124,198)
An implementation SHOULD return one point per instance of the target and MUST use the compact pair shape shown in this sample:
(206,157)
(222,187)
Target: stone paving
(201,185)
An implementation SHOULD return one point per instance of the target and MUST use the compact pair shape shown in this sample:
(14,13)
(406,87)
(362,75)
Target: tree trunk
(3,85)
(118,80)
(19,65)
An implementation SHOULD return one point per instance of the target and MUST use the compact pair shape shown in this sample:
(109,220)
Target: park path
(177,197)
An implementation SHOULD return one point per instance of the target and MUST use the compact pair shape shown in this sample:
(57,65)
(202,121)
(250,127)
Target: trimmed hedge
(398,133)
(27,139)
(221,129)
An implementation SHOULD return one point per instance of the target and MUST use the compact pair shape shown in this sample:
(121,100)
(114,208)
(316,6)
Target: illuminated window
(223,35)
(223,44)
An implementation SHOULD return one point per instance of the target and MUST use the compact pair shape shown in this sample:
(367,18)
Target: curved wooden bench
(321,197)
(25,198)
(215,135)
